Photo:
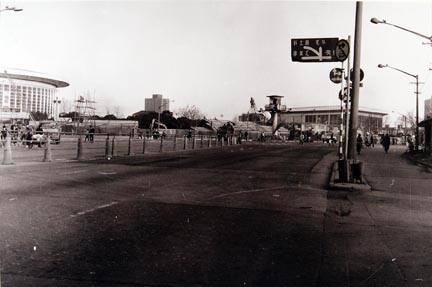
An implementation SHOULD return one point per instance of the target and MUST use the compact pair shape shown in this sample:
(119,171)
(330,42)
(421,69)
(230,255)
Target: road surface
(249,215)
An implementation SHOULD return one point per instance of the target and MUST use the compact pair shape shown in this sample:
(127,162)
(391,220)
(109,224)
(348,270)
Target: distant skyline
(215,55)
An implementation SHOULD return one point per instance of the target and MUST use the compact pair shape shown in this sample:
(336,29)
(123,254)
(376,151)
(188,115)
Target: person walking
(91,132)
(359,143)
(372,140)
(386,143)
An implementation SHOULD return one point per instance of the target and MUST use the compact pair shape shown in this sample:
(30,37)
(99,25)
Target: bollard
(175,143)
(161,144)
(201,144)
(144,145)
(112,146)
(193,142)
(209,141)
(107,147)
(7,151)
(222,141)
(47,150)
(184,143)
(79,149)
(129,146)
(234,140)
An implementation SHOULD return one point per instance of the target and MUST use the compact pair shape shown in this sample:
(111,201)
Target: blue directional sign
(314,50)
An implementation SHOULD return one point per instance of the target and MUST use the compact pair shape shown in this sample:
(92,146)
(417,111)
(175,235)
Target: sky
(215,55)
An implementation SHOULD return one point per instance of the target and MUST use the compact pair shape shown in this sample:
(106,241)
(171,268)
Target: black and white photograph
(220,143)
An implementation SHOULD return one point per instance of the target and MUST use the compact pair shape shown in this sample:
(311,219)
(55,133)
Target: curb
(410,157)
(341,186)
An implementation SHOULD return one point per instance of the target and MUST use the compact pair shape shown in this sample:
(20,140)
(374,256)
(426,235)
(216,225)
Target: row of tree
(187,117)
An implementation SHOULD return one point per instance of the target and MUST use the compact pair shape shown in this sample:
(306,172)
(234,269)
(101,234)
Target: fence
(102,146)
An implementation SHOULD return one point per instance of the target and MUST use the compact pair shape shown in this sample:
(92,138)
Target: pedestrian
(359,143)
(4,132)
(386,143)
(87,135)
(372,140)
(91,134)
(301,138)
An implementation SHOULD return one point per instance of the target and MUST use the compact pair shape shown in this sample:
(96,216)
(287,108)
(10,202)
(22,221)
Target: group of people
(22,135)
(90,132)
(370,141)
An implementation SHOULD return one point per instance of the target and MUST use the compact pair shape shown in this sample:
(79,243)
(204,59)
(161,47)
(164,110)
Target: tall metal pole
(348,101)
(417,114)
(355,97)
(342,154)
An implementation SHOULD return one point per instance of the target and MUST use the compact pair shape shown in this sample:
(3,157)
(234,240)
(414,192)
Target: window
(334,119)
(310,118)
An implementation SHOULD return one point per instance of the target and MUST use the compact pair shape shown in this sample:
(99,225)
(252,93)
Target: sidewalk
(387,232)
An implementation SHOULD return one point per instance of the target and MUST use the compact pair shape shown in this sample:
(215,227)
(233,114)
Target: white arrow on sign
(319,56)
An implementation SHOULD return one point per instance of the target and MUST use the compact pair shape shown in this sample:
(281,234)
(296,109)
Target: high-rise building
(428,108)
(156,104)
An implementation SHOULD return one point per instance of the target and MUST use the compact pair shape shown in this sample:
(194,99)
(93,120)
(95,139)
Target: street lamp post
(377,21)
(417,102)
(14,9)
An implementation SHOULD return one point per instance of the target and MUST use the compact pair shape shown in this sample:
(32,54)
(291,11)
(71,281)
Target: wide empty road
(249,215)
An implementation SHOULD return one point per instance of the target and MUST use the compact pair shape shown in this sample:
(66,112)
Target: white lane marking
(107,172)
(248,191)
(93,209)
(74,172)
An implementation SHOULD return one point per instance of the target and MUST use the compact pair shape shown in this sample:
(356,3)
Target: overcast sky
(214,54)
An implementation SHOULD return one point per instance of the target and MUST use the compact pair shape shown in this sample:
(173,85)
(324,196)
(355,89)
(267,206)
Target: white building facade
(22,94)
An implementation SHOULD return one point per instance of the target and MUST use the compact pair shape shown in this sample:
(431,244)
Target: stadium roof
(55,83)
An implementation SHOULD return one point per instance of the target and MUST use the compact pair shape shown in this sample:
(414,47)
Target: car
(48,128)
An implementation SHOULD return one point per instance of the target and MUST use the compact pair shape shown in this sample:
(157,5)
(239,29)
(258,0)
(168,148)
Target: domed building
(21,94)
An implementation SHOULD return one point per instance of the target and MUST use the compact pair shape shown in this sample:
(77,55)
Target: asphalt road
(249,215)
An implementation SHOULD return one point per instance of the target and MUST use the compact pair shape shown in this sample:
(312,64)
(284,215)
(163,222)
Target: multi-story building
(22,94)
(156,104)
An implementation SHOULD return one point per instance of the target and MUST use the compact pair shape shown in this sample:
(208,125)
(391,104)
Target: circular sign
(336,75)
(352,75)
(344,96)
(342,50)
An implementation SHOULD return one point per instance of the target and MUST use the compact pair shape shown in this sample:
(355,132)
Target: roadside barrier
(79,149)
(47,150)
(7,152)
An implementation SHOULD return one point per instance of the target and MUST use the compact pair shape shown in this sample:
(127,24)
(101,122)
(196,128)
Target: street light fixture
(417,103)
(378,21)
(14,9)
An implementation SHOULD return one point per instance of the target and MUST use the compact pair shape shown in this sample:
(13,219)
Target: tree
(110,117)
(191,112)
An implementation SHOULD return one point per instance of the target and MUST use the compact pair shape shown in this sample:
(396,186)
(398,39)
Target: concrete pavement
(385,233)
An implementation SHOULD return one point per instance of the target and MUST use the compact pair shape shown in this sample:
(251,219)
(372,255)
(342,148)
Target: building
(156,104)
(22,94)
(320,118)
(328,118)
(428,108)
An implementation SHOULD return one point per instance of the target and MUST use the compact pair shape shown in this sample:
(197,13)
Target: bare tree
(191,112)
(117,112)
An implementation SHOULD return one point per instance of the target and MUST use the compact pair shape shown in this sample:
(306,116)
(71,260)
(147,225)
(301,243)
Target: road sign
(343,97)
(336,75)
(342,50)
(314,50)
